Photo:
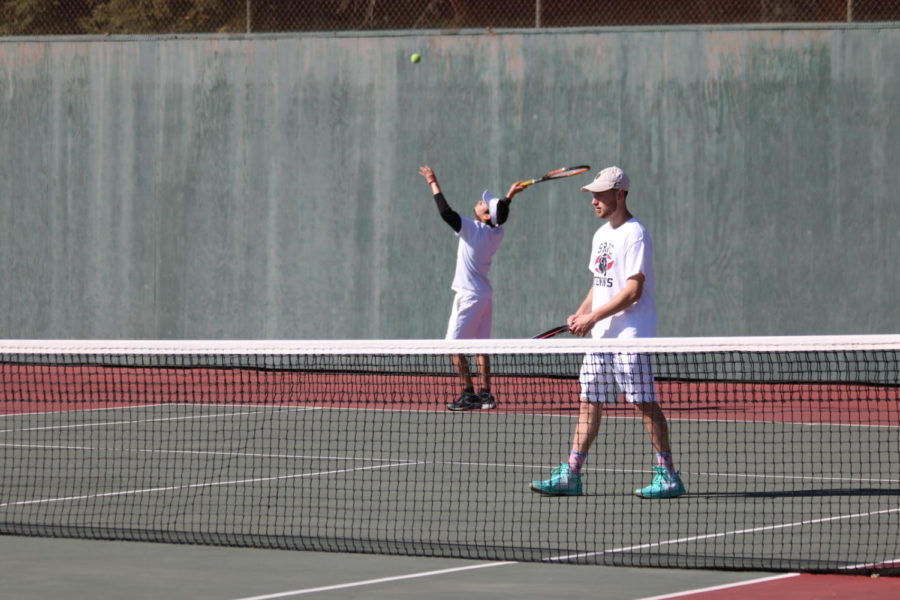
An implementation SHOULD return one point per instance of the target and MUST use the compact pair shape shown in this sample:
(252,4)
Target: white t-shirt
(477,245)
(616,255)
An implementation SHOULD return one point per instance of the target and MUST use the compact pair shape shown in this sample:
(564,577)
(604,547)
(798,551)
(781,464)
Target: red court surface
(45,388)
(803,587)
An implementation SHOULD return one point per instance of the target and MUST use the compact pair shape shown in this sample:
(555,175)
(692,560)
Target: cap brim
(597,187)
(492,201)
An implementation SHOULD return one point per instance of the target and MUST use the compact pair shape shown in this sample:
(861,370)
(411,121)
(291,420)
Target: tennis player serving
(472,313)
(619,304)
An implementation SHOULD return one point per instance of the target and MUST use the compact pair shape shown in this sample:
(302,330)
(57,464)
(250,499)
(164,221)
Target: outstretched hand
(427,172)
(515,189)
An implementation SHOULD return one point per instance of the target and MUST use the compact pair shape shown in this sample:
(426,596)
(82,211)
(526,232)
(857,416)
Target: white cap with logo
(610,178)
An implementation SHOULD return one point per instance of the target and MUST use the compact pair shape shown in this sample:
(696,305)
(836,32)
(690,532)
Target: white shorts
(606,375)
(470,318)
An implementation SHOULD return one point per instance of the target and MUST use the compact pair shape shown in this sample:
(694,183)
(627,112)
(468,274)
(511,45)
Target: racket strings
(567,172)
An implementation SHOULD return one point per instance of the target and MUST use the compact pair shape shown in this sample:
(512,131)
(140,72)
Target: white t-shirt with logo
(478,243)
(616,255)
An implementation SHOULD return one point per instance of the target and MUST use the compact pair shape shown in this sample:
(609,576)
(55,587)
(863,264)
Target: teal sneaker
(664,485)
(561,483)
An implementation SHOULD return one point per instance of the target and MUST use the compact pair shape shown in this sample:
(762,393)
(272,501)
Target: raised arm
(450,216)
(428,173)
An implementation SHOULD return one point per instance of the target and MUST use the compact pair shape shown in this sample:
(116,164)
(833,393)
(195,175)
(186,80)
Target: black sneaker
(466,401)
(487,399)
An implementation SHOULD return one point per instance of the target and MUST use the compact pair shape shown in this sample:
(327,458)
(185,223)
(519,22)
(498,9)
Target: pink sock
(664,459)
(576,461)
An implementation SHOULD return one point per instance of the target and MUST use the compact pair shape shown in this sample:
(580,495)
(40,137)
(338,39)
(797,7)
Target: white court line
(81,410)
(614,416)
(710,536)
(136,406)
(505,466)
(342,586)
(623,417)
(797,423)
(711,474)
(205,453)
(366,582)
(795,477)
(616,550)
(883,563)
(200,485)
(136,421)
(725,586)
(627,417)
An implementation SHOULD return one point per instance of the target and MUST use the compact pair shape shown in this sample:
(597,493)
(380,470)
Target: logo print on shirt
(604,260)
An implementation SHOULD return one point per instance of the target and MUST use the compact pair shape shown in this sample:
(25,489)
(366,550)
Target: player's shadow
(859,492)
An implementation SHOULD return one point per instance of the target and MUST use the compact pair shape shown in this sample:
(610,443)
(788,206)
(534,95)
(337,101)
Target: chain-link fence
(74,17)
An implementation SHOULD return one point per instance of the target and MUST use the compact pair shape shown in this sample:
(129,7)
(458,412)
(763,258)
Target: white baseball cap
(608,179)
(492,202)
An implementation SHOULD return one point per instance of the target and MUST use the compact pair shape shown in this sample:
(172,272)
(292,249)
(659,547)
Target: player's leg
(461,364)
(666,481)
(484,381)
(597,388)
(657,428)
(484,318)
(587,428)
(635,376)
(463,325)
(468,399)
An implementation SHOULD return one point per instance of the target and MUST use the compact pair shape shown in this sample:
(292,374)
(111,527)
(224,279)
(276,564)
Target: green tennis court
(781,476)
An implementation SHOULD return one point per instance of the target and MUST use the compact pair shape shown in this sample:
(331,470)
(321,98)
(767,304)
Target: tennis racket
(558,174)
(552,332)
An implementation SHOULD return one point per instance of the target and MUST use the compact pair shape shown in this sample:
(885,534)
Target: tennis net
(788,449)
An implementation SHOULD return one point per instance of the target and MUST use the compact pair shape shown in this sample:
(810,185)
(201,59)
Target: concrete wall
(266,187)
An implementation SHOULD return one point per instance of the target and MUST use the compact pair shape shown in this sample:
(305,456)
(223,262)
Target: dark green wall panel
(266,187)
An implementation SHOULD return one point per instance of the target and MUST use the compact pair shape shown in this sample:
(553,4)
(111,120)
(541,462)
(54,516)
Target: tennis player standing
(472,313)
(619,304)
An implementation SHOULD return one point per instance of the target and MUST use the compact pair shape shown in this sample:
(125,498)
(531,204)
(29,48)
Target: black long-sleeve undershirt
(452,218)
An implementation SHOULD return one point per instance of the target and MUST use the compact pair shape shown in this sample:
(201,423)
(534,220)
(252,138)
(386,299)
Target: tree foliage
(36,17)
(59,17)
(74,17)
(164,16)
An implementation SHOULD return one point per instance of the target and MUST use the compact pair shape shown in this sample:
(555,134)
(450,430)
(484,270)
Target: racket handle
(525,184)
(552,332)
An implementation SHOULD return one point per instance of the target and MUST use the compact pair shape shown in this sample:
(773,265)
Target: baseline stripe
(202,485)
(342,586)
(710,536)
(724,586)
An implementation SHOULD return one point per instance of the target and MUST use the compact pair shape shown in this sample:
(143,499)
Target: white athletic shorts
(606,375)
(470,318)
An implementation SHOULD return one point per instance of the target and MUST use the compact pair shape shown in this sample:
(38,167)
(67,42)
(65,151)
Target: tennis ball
(416,57)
